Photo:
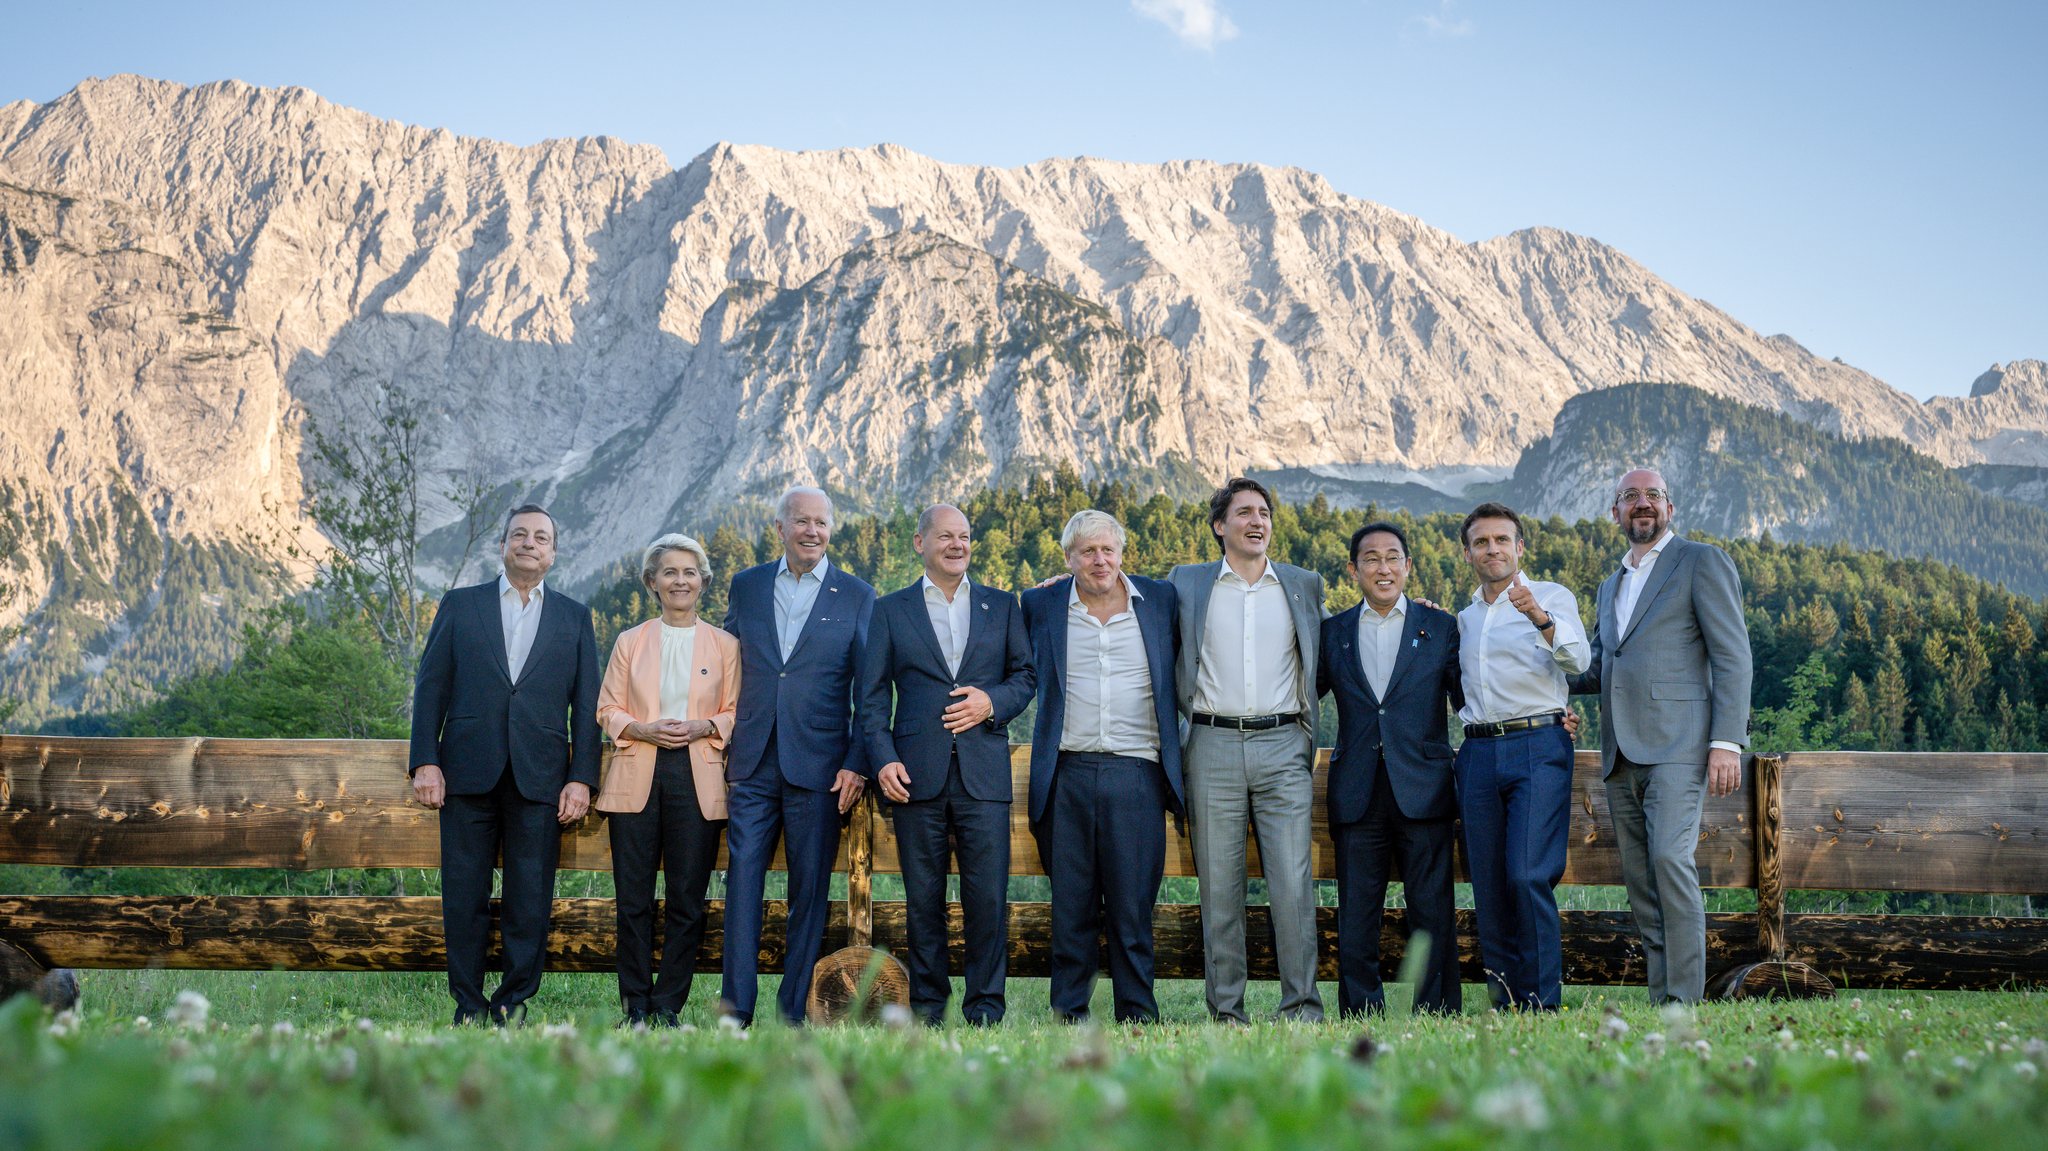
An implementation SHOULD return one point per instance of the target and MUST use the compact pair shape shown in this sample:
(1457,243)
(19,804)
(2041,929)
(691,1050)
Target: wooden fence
(1864,821)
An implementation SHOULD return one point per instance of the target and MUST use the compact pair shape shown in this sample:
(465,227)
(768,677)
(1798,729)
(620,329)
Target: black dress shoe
(636,1018)
(667,1019)
(468,1017)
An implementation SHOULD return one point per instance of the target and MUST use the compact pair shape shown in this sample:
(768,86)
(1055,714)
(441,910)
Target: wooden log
(300,804)
(320,933)
(1922,952)
(1769,796)
(1904,821)
(1726,857)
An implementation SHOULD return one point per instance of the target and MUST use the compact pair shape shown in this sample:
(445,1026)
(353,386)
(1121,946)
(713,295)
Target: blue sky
(1868,177)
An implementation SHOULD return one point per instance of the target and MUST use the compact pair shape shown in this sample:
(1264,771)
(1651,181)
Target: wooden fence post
(1770,864)
(860,872)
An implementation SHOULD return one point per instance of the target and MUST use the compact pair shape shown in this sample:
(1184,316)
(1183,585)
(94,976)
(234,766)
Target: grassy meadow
(362,1061)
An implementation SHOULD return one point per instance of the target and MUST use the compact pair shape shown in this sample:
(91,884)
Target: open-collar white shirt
(1249,663)
(794,596)
(949,620)
(521,622)
(1109,682)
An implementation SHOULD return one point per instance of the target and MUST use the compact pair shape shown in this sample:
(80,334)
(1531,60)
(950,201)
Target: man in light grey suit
(1249,629)
(1671,663)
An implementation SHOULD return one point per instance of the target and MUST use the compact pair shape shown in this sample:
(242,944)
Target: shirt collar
(1224,571)
(824,565)
(931,589)
(1074,589)
(505,588)
(1649,557)
(1400,609)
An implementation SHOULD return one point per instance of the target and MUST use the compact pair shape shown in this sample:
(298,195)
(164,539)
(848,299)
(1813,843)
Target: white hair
(789,496)
(1088,524)
(650,560)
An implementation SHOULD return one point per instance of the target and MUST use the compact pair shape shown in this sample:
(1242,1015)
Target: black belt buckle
(1246,722)
(1507,726)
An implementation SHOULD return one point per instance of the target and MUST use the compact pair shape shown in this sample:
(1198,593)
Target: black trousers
(1365,850)
(475,831)
(671,834)
(1103,840)
(977,833)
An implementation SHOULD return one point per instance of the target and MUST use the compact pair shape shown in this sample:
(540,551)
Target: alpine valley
(194,279)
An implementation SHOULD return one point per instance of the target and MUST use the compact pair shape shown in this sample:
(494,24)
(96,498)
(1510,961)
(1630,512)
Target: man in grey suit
(1671,663)
(1249,630)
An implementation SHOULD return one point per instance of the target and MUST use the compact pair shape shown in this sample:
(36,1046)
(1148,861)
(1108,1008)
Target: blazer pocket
(903,729)
(1433,750)
(818,722)
(1676,689)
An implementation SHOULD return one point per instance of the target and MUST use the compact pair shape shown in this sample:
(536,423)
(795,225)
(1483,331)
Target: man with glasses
(1393,666)
(1671,664)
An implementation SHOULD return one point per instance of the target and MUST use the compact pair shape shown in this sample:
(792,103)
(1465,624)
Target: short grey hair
(931,514)
(505,533)
(650,560)
(789,496)
(1086,525)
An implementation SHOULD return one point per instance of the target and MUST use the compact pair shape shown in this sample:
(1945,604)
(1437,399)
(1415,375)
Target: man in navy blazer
(794,764)
(504,744)
(1105,763)
(955,657)
(1393,667)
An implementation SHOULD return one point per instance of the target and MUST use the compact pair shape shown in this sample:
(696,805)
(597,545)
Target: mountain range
(191,278)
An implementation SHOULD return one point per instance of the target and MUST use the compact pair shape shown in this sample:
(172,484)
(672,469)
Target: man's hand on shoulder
(428,786)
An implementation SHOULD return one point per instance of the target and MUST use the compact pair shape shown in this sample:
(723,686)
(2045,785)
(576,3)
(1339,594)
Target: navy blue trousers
(1514,792)
(1103,840)
(475,831)
(977,833)
(1366,851)
(761,809)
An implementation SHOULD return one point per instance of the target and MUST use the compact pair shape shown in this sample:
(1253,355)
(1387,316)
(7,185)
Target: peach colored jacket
(632,690)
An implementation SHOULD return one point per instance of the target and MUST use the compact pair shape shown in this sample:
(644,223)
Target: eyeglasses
(1633,495)
(1375,559)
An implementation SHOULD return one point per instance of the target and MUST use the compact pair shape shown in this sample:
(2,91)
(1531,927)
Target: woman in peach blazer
(668,701)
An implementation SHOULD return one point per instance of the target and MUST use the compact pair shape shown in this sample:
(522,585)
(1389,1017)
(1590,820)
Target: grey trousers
(1260,782)
(1657,826)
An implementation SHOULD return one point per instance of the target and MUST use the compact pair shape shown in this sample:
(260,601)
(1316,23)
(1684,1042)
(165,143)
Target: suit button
(1383,711)
(785,675)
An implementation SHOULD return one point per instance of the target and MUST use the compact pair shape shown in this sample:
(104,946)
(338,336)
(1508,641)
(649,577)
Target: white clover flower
(1703,1049)
(1910,1055)
(1749,1063)
(142,1023)
(1786,1040)
(2035,1048)
(365,1026)
(1831,1053)
(1613,1027)
(283,1029)
(2001,1025)
(2025,1070)
(895,1016)
(1653,1043)
(200,1075)
(1856,1004)
(1906,1013)
(729,1023)
(343,1068)
(66,1023)
(1860,1056)
(189,1011)
(1962,1063)
(1514,1107)
(558,1031)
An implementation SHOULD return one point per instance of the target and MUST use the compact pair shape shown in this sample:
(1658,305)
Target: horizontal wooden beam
(1901,821)
(316,804)
(298,804)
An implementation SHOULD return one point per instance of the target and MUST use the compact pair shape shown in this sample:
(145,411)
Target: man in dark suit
(956,658)
(1393,666)
(1105,763)
(504,743)
(1671,662)
(794,764)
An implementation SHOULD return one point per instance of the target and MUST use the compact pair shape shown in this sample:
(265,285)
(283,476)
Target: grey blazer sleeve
(1717,604)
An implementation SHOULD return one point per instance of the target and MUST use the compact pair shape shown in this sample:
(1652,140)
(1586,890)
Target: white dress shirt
(521,622)
(1379,643)
(949,621)
(1510,670)
(1109,682)
(1249,662)
(794,596)
(678,655)
(1633,577)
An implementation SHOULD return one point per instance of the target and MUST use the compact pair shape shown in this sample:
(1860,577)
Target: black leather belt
(1247,722)
(1489,730)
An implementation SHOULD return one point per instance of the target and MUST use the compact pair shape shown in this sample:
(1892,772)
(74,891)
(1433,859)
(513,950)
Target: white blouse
(678,652)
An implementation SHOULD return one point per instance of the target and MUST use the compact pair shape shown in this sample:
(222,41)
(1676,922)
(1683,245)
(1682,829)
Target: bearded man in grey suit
(1249,630)
(1671,664)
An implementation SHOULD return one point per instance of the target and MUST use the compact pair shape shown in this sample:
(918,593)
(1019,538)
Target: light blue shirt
(794,597)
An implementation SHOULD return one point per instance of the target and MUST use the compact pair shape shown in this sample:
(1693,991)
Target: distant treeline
(1853,649)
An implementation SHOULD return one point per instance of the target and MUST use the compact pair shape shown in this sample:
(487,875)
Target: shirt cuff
(1724,745)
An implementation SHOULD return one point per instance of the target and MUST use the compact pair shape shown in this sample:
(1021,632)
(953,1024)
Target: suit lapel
(493,623)
(1056,643)
(767,634)
(1199,603)
(1344,661)
(1407,650)
(922,625)
(824,603)
(1660,574)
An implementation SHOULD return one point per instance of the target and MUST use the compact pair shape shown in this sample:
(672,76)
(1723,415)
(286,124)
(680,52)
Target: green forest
(1854,649)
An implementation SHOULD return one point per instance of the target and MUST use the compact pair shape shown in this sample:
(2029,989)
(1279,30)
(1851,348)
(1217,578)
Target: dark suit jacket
(471,720)
(1045,615)
(903,653)
(1410,727)
(1678,677)
(808,703)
